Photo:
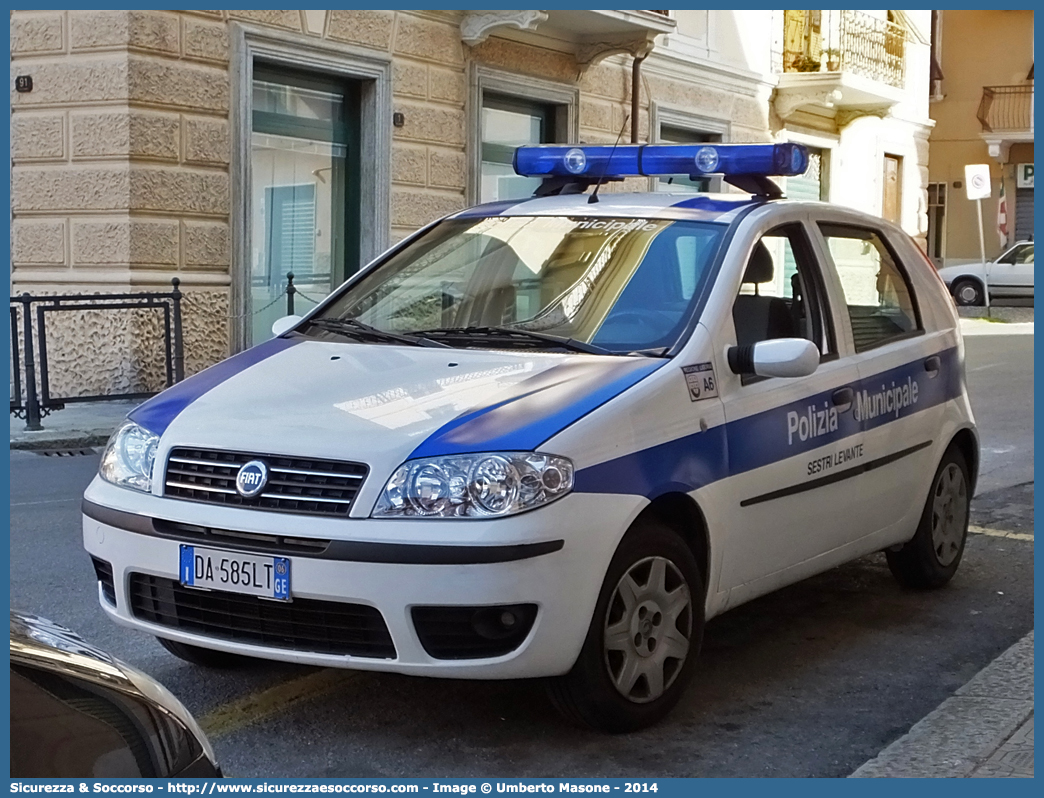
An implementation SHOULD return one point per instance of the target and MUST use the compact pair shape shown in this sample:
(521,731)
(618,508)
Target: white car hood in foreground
(381,404)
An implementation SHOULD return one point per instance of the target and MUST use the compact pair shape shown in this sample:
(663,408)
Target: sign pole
(977,186)
(982,253)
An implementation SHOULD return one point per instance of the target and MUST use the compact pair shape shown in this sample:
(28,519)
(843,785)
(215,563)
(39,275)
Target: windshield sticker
(618,225)
(699,379)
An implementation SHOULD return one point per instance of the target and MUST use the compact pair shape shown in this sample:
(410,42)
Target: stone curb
(65,440)
(967,729)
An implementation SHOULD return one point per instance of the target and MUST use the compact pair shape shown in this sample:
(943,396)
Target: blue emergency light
(598,162)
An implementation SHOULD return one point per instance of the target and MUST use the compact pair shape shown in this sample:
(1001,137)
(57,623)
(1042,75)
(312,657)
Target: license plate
(235,572)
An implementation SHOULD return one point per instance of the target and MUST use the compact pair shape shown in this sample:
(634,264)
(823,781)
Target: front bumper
(577,536)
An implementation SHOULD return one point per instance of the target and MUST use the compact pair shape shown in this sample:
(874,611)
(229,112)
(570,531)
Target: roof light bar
(637,160)
(547,160)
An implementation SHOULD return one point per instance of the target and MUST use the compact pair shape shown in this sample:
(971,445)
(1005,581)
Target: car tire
(930,558)
(967,292)
(645,635)
(205,657)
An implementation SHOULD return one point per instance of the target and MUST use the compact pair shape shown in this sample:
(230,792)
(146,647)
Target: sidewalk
(77,426)
(984,731)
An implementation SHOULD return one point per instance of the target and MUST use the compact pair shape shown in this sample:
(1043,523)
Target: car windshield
(596,284)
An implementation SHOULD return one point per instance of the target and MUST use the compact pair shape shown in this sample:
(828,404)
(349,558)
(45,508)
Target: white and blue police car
(552,437)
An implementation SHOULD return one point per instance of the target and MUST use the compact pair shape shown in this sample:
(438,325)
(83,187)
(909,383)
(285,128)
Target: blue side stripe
(694,461)
(544,405)
(157,413)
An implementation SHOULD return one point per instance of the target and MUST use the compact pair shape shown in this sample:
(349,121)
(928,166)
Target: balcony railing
(1006,108)
(844,41)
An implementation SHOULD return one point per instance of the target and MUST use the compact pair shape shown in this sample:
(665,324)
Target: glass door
(304,172)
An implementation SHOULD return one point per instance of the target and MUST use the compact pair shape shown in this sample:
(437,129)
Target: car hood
(383,404)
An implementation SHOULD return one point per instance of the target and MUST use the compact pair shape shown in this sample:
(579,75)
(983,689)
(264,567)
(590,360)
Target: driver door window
(781,295)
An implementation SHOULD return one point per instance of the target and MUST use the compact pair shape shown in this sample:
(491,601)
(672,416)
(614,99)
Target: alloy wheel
(949,514)
(648,628)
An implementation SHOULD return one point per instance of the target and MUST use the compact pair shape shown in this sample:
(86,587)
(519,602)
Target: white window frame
(373,71)
(661,116)
(483,79)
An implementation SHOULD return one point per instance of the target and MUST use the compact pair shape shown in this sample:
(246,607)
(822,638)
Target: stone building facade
(228,148)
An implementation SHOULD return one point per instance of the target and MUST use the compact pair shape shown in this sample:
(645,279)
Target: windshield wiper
(364,332)
(513,335)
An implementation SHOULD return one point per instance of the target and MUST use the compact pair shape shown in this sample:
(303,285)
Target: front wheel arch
(683,514)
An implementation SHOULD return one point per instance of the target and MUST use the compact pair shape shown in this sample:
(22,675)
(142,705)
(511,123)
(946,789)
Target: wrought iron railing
(31,394)
(1006,108)
(844,41)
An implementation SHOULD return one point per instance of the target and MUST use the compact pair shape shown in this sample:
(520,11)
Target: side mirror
(280,326)
(779,357)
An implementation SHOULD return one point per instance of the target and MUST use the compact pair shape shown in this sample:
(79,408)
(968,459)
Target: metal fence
(849,41)
(31,396)
(1007,108)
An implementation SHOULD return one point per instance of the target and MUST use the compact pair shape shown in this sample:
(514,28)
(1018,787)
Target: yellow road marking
(998,533)
(256,707)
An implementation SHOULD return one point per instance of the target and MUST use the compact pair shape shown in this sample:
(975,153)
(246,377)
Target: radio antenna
(605,169)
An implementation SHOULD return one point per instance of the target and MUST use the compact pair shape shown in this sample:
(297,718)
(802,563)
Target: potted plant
(833,57)
(806,63)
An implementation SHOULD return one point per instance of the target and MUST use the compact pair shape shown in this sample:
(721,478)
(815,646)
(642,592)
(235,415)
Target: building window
(304,161)
(509,110)
(507,123)
(937,222)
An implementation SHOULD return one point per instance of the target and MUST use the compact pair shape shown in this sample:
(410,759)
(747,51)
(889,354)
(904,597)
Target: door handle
(932,365)
(842,398)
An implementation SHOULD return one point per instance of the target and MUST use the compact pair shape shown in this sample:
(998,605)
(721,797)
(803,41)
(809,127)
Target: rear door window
(881,303)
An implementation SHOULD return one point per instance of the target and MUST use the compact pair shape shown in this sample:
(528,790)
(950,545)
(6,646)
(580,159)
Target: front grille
(473,632)
(295,484)
(324,627)
(104,572)
(281,545)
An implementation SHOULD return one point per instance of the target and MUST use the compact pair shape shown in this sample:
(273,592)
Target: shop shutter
(1023,214)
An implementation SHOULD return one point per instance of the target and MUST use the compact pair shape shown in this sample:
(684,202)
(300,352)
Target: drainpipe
(636,84)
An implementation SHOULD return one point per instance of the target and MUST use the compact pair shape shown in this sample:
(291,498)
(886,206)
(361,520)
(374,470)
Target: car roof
(660,205)
(702,207)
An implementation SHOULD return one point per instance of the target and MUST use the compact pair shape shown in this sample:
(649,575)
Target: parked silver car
(1010,276)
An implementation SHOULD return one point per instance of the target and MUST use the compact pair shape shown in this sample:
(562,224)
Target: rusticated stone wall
(120,182)
(105,352)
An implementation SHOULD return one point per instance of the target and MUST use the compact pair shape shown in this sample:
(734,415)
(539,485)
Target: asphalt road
(810,681)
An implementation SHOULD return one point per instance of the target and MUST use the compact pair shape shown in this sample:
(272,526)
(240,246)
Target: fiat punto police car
(552,437)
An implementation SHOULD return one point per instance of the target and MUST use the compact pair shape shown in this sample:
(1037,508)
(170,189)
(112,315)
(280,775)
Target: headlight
(475,485)
(129,456)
